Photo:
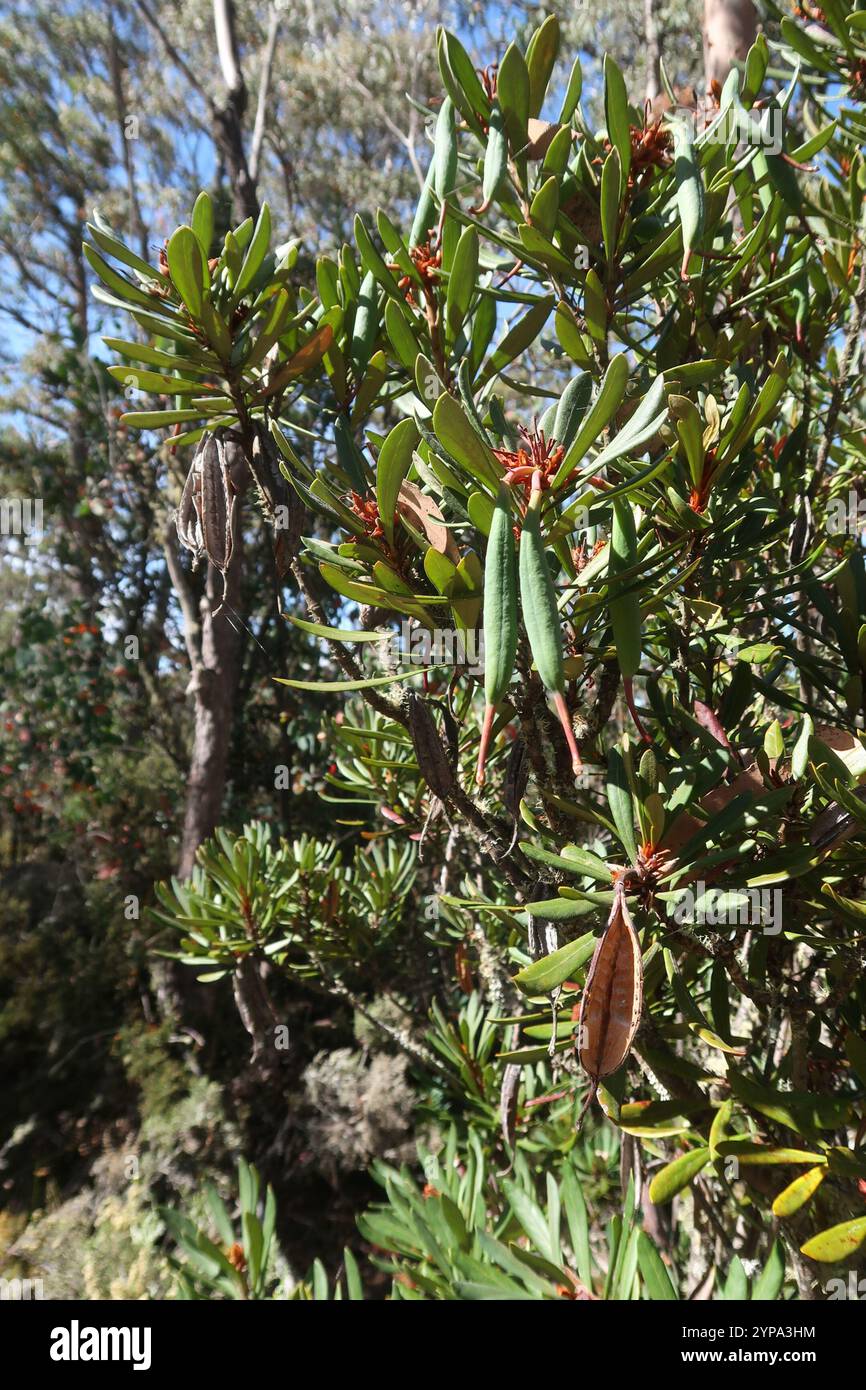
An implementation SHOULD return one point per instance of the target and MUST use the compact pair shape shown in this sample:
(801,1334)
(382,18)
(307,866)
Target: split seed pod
(541,616)
(500,618)
(612,1001)
(432,758)
(206,518)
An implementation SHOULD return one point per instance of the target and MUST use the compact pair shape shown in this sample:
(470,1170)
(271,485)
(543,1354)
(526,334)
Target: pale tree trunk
(653,50)
(730,29)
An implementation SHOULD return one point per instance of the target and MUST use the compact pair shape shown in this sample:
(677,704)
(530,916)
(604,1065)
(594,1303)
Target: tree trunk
(228,118)
(653,50)
(215,674)
(730,28)
(213,685)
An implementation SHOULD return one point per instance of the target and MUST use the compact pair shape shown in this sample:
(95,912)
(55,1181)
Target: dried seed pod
(610,1008)
(205,517)
(516,777)
(432,759)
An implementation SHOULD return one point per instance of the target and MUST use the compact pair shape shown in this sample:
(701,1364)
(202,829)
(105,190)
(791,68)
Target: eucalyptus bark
(730,29)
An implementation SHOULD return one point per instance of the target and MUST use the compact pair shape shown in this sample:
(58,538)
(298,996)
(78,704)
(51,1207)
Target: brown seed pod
(432,758)
(610,1008)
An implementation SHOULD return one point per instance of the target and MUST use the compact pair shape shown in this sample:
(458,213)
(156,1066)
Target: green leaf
(689,191)
(799,1192)
(718,1129)
(768,1285)
(774,741)
(541,55)
(463,443)
(512,90)
(544,975)
(736,1287)
(573,860)
(394,462)
(619,799)
(461,281)
(219,1214)
(606,405)
(160,383)
(751,1154)
(616,115)
(653,1270)
(256,251)
(337,634)
(518,338)
(573,405)
(354,1287)
(572,93)
(366,324)
(544,210)
(677,1175)
(837,1242)
(158,419)
(461,81)
(363,683)
(445,151)
(495,157)
(202,223)
(610,194)
(563,909)
(187,268)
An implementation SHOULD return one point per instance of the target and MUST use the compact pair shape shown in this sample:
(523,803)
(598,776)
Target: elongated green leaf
(461,282)
(619,799)
(337,634)
(573,861)
(837,1242)
(394,462)
(768,1285)
(256,251)
(518,338)
(463,442)
(186,267)
(799,1192)
(606,404)
(546,974)
(363,683)
(654,1271)
(677,1175)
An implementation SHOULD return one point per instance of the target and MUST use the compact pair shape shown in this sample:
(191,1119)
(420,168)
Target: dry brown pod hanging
(610,1008)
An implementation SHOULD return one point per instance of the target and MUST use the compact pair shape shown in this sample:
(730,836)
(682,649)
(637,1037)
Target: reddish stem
(629,699)
(486,731)
(565,720)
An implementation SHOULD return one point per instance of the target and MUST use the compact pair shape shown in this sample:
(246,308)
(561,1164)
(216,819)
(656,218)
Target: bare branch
(264,92)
